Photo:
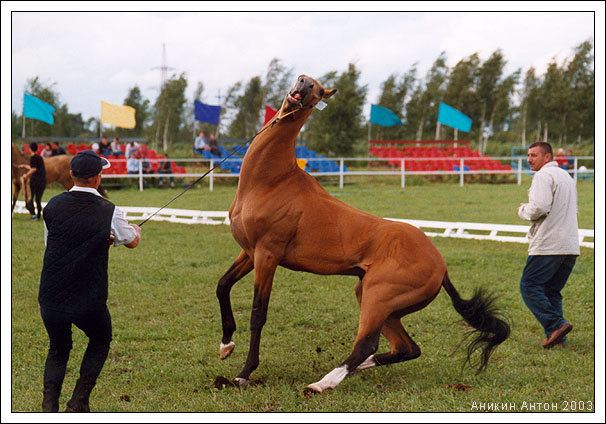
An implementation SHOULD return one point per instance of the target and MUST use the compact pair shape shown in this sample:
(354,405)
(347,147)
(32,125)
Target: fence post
(210,184)
(461,173)
(403,183)
(519,171)
(341,173)
(576,168)
(140,175)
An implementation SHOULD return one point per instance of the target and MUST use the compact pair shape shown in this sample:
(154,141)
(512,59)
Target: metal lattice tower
(164,68)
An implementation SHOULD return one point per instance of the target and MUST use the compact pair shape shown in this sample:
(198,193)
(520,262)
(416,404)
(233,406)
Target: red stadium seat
(72,149)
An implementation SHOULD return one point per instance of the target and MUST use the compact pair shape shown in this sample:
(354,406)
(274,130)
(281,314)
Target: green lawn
(167,326)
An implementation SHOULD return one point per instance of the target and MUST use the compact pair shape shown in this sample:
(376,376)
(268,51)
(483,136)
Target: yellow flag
(118,116)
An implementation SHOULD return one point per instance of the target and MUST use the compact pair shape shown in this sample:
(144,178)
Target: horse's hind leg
(403,348)
(17,189)
(242,266)
(374,310)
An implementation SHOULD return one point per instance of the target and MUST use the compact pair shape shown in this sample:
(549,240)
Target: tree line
(558,106)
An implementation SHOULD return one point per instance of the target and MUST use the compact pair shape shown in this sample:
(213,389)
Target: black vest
(74,274)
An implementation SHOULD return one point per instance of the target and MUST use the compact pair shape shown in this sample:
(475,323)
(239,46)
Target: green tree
(460,89)
(529,103)
(142,113)
(422,109)
(489,76)
(581,77)
(278,81)
(247,108)
(46,93)
(393,97)
(501,104)
(336,130)
(168,111)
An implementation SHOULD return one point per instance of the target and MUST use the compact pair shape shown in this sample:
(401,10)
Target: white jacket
(552,211)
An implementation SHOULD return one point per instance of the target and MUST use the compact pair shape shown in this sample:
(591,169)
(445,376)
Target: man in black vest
(79,226)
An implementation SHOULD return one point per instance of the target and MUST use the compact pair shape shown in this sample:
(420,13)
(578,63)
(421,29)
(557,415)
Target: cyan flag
(206,113)
(382,116)
(453,118)
(35,108)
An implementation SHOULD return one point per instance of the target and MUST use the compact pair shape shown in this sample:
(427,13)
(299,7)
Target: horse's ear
(328,93)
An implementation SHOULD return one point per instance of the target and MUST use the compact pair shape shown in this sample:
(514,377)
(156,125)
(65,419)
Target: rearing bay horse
(282,216)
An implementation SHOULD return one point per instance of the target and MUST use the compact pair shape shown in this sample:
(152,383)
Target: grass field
(167,326)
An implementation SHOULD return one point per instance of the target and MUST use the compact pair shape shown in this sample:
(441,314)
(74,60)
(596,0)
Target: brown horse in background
(57,170)
(282,216)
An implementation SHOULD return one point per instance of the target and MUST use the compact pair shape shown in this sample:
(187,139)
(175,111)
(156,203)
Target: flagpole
(23,132)
(219,120)
(369,125)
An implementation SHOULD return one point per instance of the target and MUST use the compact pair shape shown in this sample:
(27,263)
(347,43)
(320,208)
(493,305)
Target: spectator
(142,151)
(553,242)
(132,146)
(36,175)
(214,146)
(48,151)
(570,158)
(104,148)
(132,164)
(115,147)
(200,144)
(58,150)
(165,167)
(80,225)
(561,159)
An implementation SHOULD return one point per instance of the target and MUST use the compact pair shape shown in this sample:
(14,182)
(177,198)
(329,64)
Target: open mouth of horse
(295,98)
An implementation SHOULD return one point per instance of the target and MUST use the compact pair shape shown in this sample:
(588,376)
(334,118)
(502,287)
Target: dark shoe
(81,395)
(557,336)
(50,401)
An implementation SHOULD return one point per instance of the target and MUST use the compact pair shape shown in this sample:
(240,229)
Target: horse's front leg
(242,266)
(265,268)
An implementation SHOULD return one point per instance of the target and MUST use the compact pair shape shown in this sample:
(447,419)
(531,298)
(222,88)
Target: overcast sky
(94,56)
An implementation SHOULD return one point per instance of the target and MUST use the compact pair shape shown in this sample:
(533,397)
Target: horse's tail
(481,313)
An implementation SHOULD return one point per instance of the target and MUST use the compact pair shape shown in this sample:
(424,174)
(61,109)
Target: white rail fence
(397,170)
(463,230)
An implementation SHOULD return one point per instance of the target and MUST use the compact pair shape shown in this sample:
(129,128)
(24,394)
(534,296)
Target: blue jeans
(172,179)
(542,280)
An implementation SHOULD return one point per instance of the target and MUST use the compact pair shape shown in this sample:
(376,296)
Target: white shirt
(120,228)
(200,143)
(552,211)
(129,149)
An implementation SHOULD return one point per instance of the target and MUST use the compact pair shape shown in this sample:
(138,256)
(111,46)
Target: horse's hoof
(312,389)
(226,349)
(241,382)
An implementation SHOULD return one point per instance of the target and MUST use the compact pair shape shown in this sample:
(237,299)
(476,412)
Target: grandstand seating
(437,159)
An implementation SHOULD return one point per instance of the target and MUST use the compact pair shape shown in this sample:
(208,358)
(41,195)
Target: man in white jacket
(553,241)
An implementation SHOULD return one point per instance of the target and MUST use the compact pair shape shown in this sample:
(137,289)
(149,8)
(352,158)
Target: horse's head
(306,93)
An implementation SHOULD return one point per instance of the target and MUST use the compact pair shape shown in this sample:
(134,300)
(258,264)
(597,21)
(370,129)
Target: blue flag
(206,113)
(35,108)
(382,116)
(453,118)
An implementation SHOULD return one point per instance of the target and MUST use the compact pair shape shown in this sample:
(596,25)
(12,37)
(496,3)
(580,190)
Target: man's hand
(135,242)
(111,239)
